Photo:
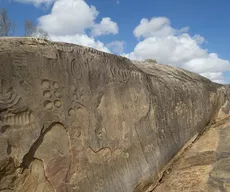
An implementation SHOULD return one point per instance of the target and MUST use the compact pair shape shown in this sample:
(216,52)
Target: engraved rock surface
(204,166)
(76,119)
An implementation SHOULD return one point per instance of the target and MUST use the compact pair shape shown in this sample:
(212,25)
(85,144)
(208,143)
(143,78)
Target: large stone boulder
(76,119)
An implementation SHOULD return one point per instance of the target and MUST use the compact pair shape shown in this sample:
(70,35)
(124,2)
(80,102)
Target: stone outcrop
(76,119)
(204,166)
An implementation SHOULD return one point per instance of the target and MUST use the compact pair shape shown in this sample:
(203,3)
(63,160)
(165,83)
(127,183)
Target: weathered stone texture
(76,119)
(204,166)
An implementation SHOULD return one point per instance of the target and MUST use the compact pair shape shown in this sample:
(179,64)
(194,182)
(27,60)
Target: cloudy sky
(193,35)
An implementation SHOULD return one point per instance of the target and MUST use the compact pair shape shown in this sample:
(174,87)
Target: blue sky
(180,33)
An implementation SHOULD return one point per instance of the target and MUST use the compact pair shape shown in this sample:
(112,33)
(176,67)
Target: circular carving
(82,97)
(100,135)
(71,112)
(134,97)
(48,105)
(57,103)
(76,69)
(56,85)
(47,94)
(57,94)
(125,155)
(78,132)
(45,84)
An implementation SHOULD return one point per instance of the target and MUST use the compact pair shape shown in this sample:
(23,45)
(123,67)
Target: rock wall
(76,119)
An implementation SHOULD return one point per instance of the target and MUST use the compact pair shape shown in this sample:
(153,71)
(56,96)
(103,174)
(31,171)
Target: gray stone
(76,119)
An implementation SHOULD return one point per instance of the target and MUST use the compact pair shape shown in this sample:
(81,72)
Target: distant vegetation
(151,60)
(7,27)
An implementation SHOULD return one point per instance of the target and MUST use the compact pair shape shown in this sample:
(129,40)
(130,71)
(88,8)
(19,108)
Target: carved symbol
(57,94)
(80,69)
(78,95)
(48,105)
(78,100)
(47,94)
(8,99)
(17,120)
(55,85)
(45,84)
(77,132)
(99,185)
(51,90)
(122,75)
(19,61)
(23,118)
(57,103)
(99,157)
(68,49)
(71,112)
(76,69)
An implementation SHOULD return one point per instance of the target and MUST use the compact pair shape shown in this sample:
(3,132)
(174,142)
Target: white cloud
(199,39)
(68,18)
(71,20)
(215,76)
(105,27)
(75,17)
(157,27)
(208,63)
(37,2)
(176,47)
(183,30)
(81,40)
(174,50)
(116,46)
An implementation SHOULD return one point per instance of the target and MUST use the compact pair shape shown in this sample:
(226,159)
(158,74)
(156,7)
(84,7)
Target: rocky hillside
(76,119)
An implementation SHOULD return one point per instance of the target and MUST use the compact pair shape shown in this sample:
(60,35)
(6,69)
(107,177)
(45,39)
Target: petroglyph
(65,48)
(52,94)
(56,85)
(57,94)
(77,119)
(101,156)
(125,75)
(48,104)
(45,84)
(99,185)
(47,94)
(79,69)
(20,119)
(9,99)
(19,59)
(57,103)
